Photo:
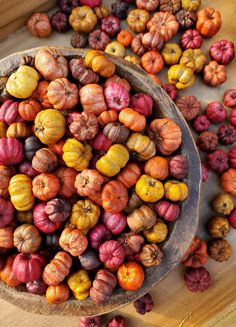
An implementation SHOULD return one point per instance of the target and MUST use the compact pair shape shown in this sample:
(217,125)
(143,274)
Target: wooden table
(175,306)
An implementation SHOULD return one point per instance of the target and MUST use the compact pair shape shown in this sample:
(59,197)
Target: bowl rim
(184,229)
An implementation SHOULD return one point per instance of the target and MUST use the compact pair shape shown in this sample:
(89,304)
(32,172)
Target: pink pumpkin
(115,222)
(101,142)
(41,220)
(28,267)
(6,213)
(90,3)
(142,103)
(232,157)
(233,117)
(27,169)
(116,96)
(112,254)
(98,235)
(9,112)
(11,151)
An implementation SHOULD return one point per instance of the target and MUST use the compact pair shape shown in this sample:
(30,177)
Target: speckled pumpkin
(149,189)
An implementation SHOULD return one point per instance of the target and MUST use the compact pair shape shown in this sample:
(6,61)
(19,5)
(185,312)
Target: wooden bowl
(183,229)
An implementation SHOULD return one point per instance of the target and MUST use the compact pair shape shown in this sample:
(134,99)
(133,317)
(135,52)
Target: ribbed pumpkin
(11,151)
(80,284)
(92,99)
(132,119)
(149,189)
(44,160)
(49,126)
(73,241)
(32,144)
(29,109)
(88,182)
(129,175)
(45,186)
(114,197)
(27,238)
(56,271)
(85,214)
(157,167)
(66,178)
(141,219)
(18,130)
(6,274)
(141,144)
(76,155)
(20,189)
(6,173)
(57,294)
(112,162)
(176,191)
(107,117)
(166,134)
(6,238)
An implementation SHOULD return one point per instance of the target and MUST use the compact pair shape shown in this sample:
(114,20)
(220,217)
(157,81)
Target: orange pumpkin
(125,37)
(66,178)
(166,135)
(92,99)
(208,21)
(228,181)
(114,197)
(157,167)
(18,130)
(165,23)
(129,175)
(6,238)
(73,241)
(88,182)
(107,117)
(57,294)
(28,109)
(40,95)
(103,66)
(152,62)
(6,274)
(132,119)
(45,186)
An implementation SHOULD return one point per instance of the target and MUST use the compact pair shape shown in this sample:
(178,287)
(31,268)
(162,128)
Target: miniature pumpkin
(103,286)
(76,155)
(171,53)
(18,130)
(44,160)
(32,145)
(167,210)
(131,242)
(137,45)
(133,203)
(25,217)
(141,144)
(141,219)
(23,82)
(107,117)
(130,276)
(7,275)
(196,256)
(166,134)
(149,189)
(228,181)
(29,109)
(81,73)
(92,99)
(112,162)
(39,25)
(3,130)
(218,227)
(40,94)
(27,169)
(6,238)
(85,214)
(191,39)
(115,222)
(151,255)
(66,178)
(194,59)
(157,233)
(192,5)
(103,66)
(133,59)
(58,210)
(181,76)
(157,167)
(125,38)
(89,260)
(101,12)
(214,74)
(114,197)
(118,80)
(9,112)
(26,238)
(117,96)
(98,40)
(129,175)
(176,191)
(45,186)
(112,254)
(82,19)
(88,182)
(115,48)
(49,126)
(62,94)
(85,127)
(80,284)
(171,6)
(11,151)
(152,62)
(57,294)
(137,20)
(98,235)
(208,21)
(149,5)
(5,176)
(20,189)
(41,220)
(73,241)
(132,119)
(165,23)
(56,271)
(142,103)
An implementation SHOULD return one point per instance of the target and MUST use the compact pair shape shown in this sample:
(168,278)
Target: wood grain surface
(175,306)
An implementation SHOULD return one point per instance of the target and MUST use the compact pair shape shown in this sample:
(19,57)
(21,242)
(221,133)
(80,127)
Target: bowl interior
(182,231)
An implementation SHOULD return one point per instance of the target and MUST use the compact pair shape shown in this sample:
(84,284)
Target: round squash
(149,189)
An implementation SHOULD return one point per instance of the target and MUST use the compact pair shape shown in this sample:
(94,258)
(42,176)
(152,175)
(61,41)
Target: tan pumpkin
(141,219)
(129,175)
(88,182)
(141,144)
(92,99)
(132,119)
(44,160)
(166,134)
(56,271)
(73,241)
(83,19)
(137,20)
(18,130)
(26,238)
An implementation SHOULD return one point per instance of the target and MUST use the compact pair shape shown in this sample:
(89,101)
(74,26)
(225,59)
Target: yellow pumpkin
(171,53)
(115,48)
(49,126)
(181,76)
(76,155)
(142,145)
(80,284)
(112,162)
(194,59)
(85,214)
(157,233)
(176,191)
(149,189)
(23,82)
(20,189)
(90,55)
(83,19)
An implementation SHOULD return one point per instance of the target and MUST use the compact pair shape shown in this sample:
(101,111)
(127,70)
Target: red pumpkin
(66,178)
(6,213)
(112,253)
(9,112)
(41,220)
(115,222)
(45,186)
(28,109)
(142,103)
(101,142)
(11,151)
(28,267)
(114,197)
